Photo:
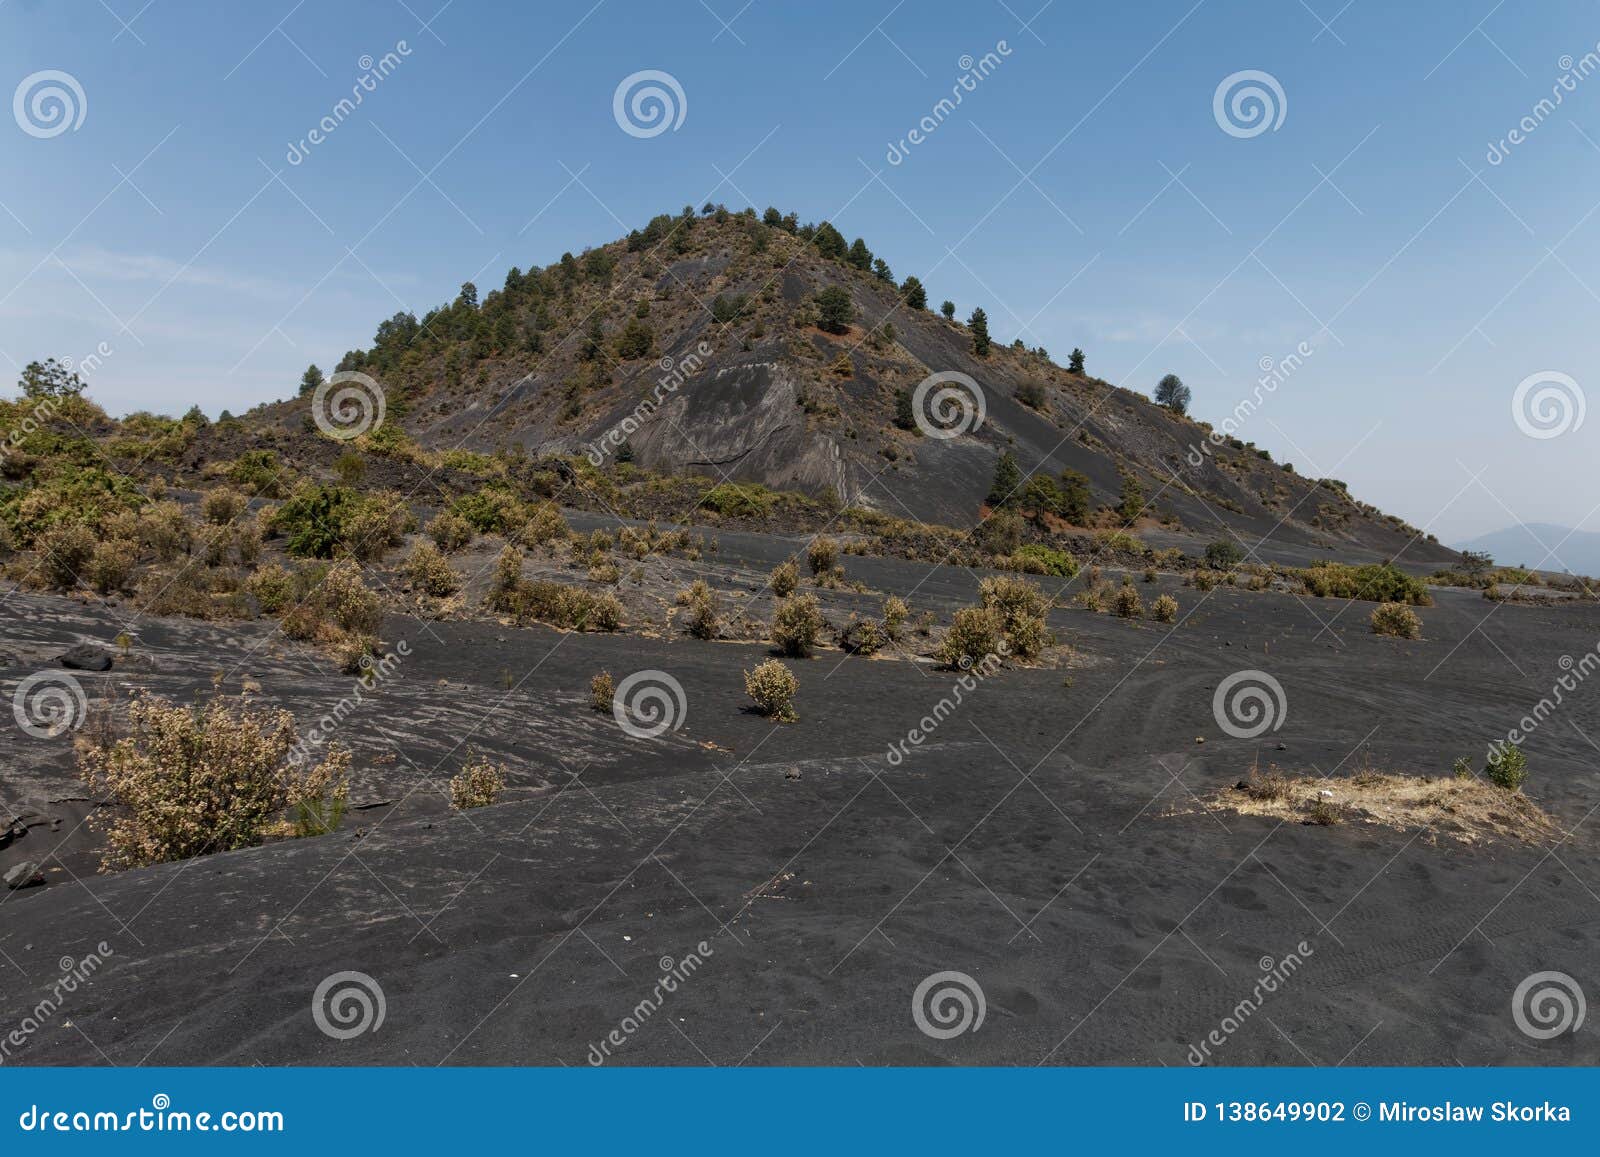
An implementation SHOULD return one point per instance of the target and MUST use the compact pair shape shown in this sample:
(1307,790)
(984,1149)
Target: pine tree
(881,270)
(860,256)
(949,310)
(50,379)
(1132,505)
(310,380)
(1074,497)
(836,309)
(1075,362)
(830,242)
(978,323)
(1007,477)
(915,296)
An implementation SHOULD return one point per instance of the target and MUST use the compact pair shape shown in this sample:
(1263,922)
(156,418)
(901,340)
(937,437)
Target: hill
(759,350)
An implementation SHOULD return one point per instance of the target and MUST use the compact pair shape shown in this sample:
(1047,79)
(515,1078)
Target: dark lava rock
(86,657)
(24,875)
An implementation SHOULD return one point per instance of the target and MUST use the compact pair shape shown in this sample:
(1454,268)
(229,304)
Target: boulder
(86,657)
(24,875)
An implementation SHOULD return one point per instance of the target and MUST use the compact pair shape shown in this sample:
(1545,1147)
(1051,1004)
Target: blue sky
(1084,193)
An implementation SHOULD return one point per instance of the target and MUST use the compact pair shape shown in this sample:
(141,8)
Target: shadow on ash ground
(1030,843)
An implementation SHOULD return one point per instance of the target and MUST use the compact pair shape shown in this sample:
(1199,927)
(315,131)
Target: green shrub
(259,472)
(489,511)
(1375,582)
(783,580)
(895,613)
(1126,602)
(602,690)
(773,686)
(974,633)
(705,618)
(1396,620)
(222,505)
(796,624)
(430,571)
(314,519)
(450,532)
(506,581)
(1036,558)
(1022,608)
(272,586)
(348,602)
(822,555)
(111,565)
(1507,767)
(186,781)
(543,525)
(67,551)
(739,500)
(862,637)
(1223,554)
(478,784)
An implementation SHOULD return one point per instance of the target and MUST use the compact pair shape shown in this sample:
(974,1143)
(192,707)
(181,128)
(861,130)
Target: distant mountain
(1530,544)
